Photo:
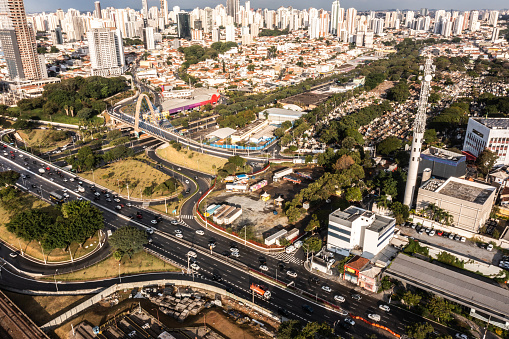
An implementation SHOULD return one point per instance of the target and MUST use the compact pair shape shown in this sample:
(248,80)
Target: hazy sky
(88,5)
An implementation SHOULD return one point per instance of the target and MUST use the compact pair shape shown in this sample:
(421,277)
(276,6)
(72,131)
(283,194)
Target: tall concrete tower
(419,127)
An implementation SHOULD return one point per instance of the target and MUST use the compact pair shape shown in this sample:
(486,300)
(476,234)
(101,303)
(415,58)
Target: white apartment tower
(336,17)
(106,51)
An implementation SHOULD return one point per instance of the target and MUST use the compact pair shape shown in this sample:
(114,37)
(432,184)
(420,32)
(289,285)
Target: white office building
(106,51)
(149,38)
(359,228)
(490,133)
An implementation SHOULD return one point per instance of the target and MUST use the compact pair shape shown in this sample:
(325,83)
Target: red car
(440,233)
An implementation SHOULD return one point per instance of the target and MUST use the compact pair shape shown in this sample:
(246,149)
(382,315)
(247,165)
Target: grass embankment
(191,159)
(141,262)
(42,309)
(44,140)
(138,175)
(33,248)
(162,208)
(57,117)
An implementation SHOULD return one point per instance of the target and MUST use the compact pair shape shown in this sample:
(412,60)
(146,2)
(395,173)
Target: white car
(350,321)
(489,247)
(72,179)
(342,312)
(461,336)
(65,180)
(118,207)
(150,230)
(291,273)
(199,232)
(128,204)
(174,222)
(192,254)
(326,288)
(264,267)
(187,181)
(297,244)
(384,308)
(97,194)
(290,249)
(374,317)
(116,200)
(195,266)
(234,250)
(179,235)
(178,231)
(339,298)
(235,254)
(432,233)
(154,222)
(463,239)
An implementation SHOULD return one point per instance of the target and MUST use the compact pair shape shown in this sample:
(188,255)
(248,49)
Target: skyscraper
(232,8)
(97,11)
(18,42)
(106,51)
(183,26)
(164,11)
(144,8)
(335,17)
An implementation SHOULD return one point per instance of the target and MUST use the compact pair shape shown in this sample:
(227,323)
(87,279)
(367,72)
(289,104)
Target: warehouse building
(468,202)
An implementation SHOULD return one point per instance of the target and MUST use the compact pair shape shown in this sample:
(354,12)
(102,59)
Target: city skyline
(33,6)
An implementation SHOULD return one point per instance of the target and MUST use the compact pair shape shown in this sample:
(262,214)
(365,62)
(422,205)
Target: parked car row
(431,232)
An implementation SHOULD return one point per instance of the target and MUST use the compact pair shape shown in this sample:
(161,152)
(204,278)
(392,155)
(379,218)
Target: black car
(27,176)
(283,312)
(226,253)
(34,186)
(315,280)
(187,191)
(308,309)
(217,277)
(229,289)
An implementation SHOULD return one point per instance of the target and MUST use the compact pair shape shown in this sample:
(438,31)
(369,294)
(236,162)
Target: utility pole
(418,132)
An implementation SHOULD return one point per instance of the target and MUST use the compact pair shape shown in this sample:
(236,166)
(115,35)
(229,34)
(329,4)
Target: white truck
(41,170)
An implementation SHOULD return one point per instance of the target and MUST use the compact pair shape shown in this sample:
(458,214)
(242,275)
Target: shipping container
(258,185)
(292,179)
(232,216)
(292,234)
(282,173)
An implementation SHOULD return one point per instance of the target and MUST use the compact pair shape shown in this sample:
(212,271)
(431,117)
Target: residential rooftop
(443,154)
(352,213)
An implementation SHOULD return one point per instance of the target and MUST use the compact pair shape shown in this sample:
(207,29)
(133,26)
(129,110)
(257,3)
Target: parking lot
(467,248)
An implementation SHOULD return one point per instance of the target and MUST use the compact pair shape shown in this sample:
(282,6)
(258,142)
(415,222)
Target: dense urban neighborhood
(252,172)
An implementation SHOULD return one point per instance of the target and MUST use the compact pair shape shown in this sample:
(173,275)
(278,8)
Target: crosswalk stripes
(190,217)
(285,257)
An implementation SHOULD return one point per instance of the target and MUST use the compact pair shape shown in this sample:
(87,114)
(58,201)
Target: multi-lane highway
(235,272)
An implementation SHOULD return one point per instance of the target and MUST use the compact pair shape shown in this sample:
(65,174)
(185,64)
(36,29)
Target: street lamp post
(119,278)
(55,277)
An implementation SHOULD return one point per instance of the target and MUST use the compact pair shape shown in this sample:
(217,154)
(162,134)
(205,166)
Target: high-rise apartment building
(56,36)
(336,17)
(164,11)
(97,12)
(149,38)
(232,8)
(144,8)
(106,51)
(18,42)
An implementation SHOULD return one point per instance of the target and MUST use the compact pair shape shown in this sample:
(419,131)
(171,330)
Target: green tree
(313,244)
(30,224)
(8,178)
(82,220)
(430,136)
(128,240)
(411,299)
(238,161)
(11,199)
(389,145)
(440,309)
(419,330)
(313,223)
(289,329)
(114,134)
(485,161)
(54,49)
(85,113)
(353,194)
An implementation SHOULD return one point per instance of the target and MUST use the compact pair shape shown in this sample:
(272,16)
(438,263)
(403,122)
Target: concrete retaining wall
(112,289)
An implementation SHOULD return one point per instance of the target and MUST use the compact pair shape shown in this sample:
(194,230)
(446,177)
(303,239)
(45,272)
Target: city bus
(56,198)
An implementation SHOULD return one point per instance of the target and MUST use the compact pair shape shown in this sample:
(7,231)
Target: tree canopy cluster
(128,240)
(273,32)
(75,221)
(294,329)
(132,42)
(454,116)
(76,95)
(232,166)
